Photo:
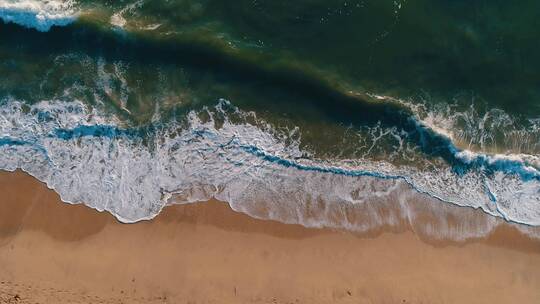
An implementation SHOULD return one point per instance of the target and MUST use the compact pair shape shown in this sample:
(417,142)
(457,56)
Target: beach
(52,252)
(308,151)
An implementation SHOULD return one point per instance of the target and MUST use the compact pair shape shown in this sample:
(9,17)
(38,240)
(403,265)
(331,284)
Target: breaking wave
(38,14)
(91,157)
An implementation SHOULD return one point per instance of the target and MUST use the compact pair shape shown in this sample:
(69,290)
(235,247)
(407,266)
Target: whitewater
(91,157)
(40,15)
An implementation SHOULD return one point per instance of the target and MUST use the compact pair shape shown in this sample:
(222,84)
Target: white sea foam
(118,20)
(473,130)
(87,158)
(38,14)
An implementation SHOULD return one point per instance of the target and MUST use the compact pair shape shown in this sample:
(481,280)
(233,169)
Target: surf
(37,14)
(90,157)
(104,146)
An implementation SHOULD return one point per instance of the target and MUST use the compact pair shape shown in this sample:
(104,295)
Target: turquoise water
(274,106)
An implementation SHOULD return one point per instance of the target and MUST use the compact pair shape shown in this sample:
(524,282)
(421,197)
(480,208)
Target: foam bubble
(38,14)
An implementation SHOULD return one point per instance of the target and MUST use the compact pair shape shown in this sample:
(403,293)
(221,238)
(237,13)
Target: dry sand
(52,252)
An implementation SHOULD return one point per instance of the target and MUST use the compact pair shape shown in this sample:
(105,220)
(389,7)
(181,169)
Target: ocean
(294,111)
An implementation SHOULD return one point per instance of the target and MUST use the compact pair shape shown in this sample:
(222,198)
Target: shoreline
(507,230)
(207,253)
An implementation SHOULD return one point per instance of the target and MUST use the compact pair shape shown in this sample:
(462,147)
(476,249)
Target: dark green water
(443,96)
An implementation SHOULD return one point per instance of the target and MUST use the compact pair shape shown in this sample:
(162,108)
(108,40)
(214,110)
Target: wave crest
(38,14)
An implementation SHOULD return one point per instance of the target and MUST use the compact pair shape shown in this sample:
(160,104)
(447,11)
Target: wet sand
(52,252)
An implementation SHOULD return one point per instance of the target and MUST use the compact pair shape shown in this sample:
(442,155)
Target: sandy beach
(52,252)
